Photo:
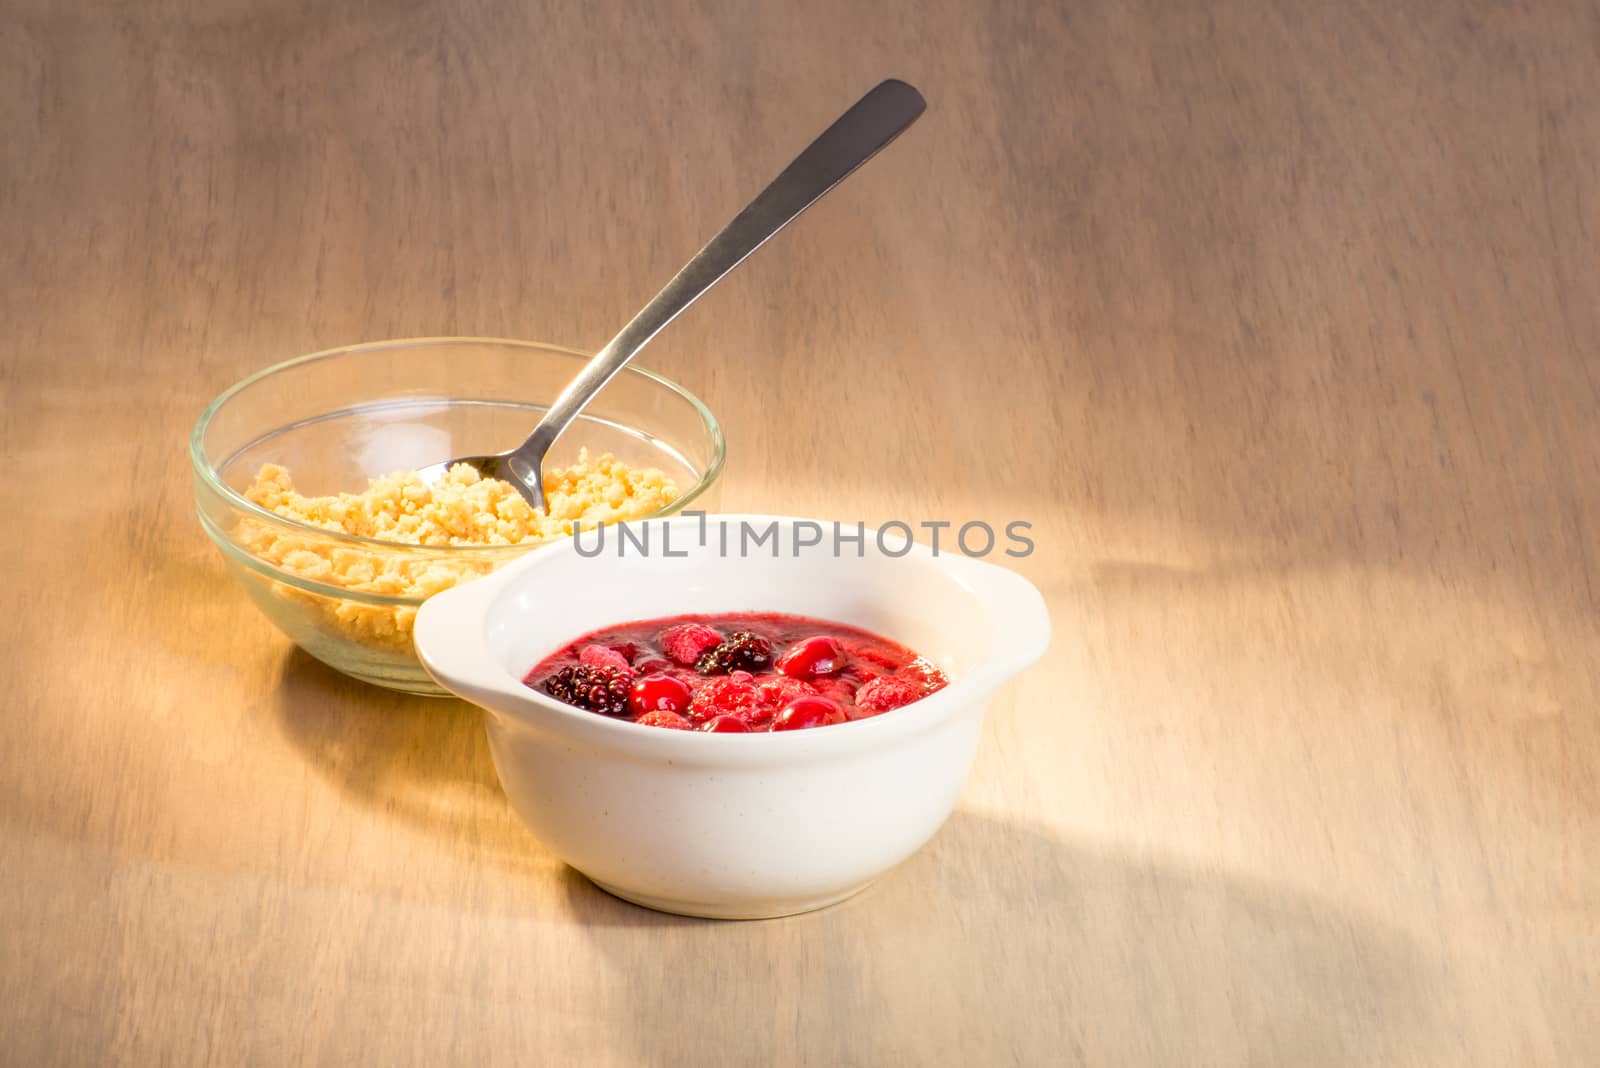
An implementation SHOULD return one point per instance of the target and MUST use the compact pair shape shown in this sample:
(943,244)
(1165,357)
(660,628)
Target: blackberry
(595,689)
(740,651)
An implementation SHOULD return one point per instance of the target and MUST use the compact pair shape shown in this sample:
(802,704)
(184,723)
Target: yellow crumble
(462,508)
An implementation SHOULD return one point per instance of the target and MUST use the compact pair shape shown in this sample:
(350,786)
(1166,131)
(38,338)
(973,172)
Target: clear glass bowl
(337,418)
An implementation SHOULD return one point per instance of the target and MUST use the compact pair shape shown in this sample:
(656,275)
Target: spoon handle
(857,135)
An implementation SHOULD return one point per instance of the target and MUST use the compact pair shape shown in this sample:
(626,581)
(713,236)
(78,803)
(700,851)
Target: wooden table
(1278,322)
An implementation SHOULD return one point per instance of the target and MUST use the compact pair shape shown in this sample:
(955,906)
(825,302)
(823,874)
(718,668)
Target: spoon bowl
(341,417)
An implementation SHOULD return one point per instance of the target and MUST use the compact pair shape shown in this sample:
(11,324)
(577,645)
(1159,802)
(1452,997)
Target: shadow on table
(423,760)
(1004,944)
(997,942)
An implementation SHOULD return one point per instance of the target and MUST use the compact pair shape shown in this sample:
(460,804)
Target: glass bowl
(335,419)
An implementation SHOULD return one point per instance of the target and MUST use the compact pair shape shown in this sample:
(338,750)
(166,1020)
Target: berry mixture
(735,674)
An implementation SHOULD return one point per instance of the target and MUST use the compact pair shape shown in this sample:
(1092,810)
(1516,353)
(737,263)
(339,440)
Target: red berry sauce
(736,673)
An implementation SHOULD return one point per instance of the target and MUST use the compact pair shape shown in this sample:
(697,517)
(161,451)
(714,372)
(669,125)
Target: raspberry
(592,688)
(926,677)
(742,650)
(813,657)
(725,697)
(661,718)
(659,693)
(598,656)
(889,691)
(805,712)
(775,691)
(687,641)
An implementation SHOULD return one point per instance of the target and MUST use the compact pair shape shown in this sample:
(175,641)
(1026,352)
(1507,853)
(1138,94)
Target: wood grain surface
(1278,321)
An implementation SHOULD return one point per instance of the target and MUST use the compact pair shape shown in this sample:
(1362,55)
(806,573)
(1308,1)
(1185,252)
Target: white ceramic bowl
(733,825)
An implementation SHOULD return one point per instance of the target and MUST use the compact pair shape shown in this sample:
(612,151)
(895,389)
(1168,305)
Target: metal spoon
(857,135)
